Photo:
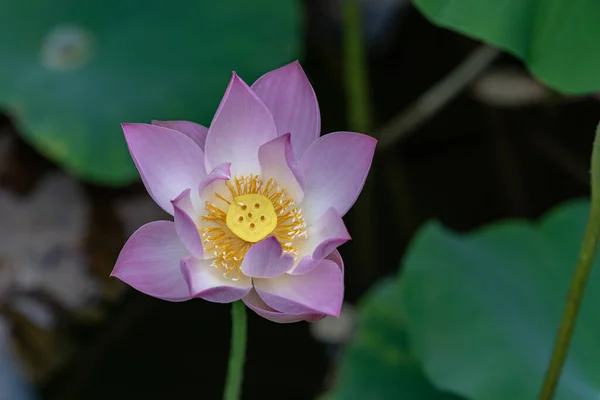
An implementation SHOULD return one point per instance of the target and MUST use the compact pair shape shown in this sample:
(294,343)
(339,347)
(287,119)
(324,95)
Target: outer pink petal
(185,215)
(308,263)
(292,101)
(335,168)
(305,265)
(336,257)
(168,161)
(319,291)
(266,259)
(276,160)
(326,234)
(241,125)
(256,304)
(208,283)
(324,237)
(149,262)
(195,131)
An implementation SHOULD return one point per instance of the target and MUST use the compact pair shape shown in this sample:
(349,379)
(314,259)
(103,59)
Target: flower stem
(359,118)
(237,354)
(359,109)
(578,284)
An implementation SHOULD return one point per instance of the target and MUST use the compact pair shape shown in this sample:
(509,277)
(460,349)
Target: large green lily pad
(377,364)
(557,39)
(72,71)
(483,309)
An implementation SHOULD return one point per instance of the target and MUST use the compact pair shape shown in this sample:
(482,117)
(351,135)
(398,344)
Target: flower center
(251,217)
(255,210)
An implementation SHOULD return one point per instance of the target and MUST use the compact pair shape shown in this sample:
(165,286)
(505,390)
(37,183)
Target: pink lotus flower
(257,200)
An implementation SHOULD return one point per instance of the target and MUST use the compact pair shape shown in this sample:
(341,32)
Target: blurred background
(503,145)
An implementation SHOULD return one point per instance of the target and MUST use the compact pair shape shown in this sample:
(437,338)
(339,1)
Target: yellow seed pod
(251,217)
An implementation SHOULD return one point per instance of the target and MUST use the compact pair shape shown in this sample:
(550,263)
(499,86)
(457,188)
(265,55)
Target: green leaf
(483,309)
(72,70)
(377,365)
(557,39)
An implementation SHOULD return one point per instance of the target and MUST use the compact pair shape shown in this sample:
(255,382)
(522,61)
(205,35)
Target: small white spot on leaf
(67,47)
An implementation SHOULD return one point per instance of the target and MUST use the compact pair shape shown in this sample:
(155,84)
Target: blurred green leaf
(557,39)
(377,365)
(72,71)
(483,309)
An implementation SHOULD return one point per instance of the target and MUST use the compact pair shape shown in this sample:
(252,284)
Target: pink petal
(291,99)
(168,161)
(335,168)
(221,172)
(241,125)
(149,262)
(266,259)
(195,131)
(308,263)
(305,265)
(326,234)
(256,304)
(185,216)
(276,159)
(319,291)
(210,186)
(336,257)
(208,283)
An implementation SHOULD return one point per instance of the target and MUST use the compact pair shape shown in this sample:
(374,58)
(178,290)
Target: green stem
(359,111)
(434,99)
(578,284)
(359,118)
(237,352)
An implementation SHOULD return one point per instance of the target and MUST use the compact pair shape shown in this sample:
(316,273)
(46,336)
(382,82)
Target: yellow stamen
(254,211)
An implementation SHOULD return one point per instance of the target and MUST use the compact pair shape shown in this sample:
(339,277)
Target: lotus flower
(257,200)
